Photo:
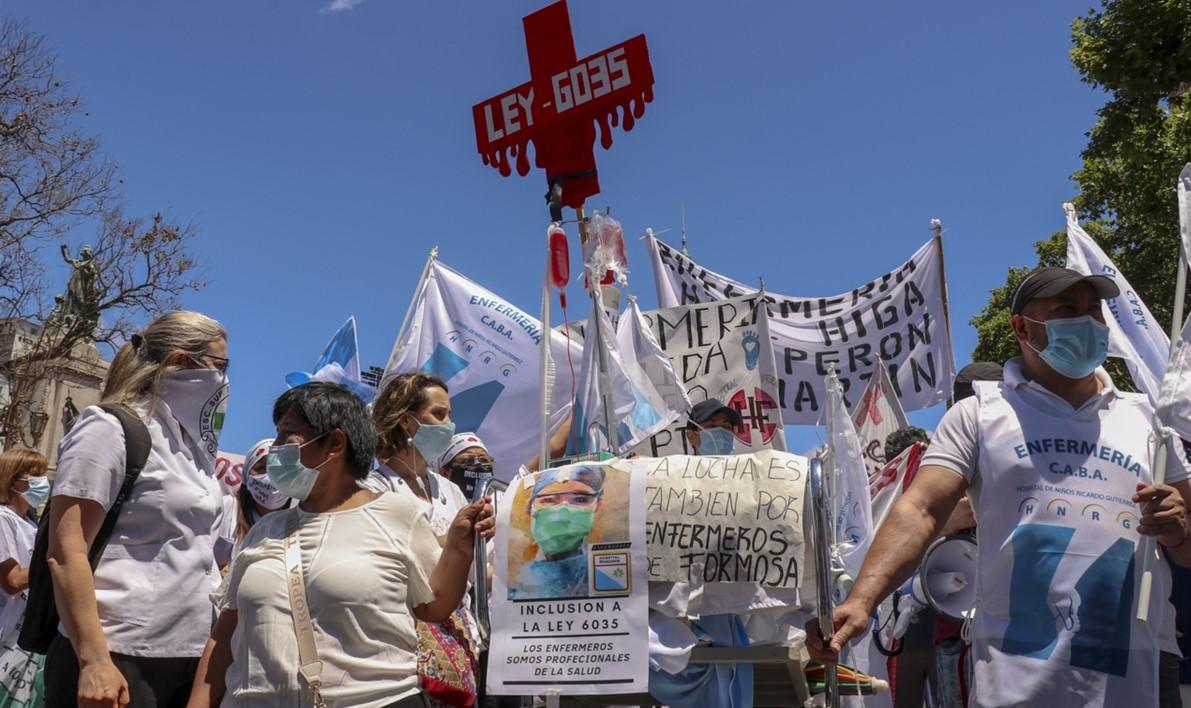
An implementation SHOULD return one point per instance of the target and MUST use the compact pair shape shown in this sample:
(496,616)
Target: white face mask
(264,492)
(197,398)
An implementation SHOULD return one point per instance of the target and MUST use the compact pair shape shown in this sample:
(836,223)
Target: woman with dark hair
(136,624)
(343,575)
(257,495)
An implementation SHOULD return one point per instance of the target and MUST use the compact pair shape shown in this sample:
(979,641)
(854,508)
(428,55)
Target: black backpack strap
(136,449)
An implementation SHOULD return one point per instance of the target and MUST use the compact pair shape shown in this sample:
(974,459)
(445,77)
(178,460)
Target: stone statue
(70,414)
(81,303)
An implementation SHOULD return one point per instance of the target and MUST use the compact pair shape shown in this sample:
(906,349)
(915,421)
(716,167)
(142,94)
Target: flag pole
(1165,435)
(937,227)
(402,333)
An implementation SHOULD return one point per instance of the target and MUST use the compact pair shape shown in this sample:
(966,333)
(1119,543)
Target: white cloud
(341,5)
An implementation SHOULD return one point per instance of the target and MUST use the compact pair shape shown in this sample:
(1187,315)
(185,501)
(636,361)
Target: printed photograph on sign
(569,534)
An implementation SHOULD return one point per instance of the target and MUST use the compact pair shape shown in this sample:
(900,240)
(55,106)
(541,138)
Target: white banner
(716,350)
(229,470)
(645,395)
(570,599)
(1133,333)
(897,317)
(877,414)
(725,519)
(886,486)
(486,350)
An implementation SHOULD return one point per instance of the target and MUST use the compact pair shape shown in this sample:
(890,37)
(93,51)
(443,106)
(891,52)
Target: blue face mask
(38,491)
(1075,346)
(288,474)
(433,440)
(716,441)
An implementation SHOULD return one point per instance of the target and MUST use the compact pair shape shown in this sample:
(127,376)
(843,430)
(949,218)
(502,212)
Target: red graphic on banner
(758,412)
(559,108)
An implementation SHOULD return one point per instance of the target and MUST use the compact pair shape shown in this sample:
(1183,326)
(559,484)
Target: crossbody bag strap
(311,668)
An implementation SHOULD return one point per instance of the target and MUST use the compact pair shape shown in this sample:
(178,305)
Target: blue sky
(320,154)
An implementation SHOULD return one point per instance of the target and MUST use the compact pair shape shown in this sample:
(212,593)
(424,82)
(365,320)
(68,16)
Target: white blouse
(153,581)
(17,535)
(365,569)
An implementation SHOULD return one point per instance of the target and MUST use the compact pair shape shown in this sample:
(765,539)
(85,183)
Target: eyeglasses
(573,498)
(207,360)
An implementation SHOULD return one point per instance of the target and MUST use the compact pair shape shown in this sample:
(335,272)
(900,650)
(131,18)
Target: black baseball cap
(1048,282)
(703,410)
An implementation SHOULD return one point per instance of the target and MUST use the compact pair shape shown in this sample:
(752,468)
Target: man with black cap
(709,428)
(1057,464)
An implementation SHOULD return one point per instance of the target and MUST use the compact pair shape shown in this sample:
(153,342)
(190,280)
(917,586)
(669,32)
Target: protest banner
(229,470)
(735,518)
(877,414)
(569,604)
(899,317)
(486,350)
(887,485)
(645,395)
(716,351)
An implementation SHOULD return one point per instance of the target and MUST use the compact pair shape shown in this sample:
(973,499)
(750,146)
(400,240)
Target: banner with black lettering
(732,519)
(716,350)
(570,599)
(897,317)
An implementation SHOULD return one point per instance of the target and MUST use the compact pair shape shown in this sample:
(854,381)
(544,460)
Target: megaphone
(946,580)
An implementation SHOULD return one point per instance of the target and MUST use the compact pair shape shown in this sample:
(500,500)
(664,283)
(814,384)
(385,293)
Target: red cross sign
(559,108)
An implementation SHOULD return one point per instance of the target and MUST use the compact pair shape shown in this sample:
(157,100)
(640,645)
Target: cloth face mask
(197,398)
(264,492)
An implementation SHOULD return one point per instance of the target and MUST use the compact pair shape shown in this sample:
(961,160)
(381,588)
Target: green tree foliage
(1139,53)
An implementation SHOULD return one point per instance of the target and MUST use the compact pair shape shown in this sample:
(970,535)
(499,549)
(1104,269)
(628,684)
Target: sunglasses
(208,360)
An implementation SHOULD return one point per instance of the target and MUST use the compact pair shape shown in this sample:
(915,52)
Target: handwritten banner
(725,519)
(717,350)
(897,317)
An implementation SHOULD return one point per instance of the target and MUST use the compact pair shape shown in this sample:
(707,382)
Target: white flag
(645,394)
(1174,399)
(486,350)
(1133,333)
(892,480)
(877,414)
(853,518)
(897,317)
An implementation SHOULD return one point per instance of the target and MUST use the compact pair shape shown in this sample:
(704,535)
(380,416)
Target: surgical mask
(38,491)
(716,441)
(1075,346)
(264,492)
(433,440)
(197,398)
(288,474)
(562,528)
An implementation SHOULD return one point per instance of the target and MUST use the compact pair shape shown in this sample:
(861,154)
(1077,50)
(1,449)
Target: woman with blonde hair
(135,626)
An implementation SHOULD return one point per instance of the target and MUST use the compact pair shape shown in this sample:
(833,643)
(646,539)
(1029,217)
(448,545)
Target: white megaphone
(946,579)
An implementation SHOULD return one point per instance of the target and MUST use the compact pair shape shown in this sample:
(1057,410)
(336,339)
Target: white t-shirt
(365,570)
(153,581)
(16,541)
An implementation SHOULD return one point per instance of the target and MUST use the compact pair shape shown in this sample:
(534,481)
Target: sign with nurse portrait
(569,603)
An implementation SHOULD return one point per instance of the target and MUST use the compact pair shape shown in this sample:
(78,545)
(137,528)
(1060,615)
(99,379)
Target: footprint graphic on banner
(751,345)
(471,406)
